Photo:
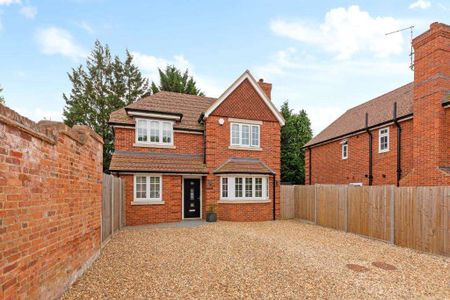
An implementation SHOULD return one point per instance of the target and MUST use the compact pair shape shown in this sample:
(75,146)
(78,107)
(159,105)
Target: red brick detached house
(179,153)
(402,137)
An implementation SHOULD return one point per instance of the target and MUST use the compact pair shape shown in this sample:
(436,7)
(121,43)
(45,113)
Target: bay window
(244,188)
(155,132)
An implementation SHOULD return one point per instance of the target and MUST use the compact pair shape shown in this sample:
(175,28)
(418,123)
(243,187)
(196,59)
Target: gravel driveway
(282,259)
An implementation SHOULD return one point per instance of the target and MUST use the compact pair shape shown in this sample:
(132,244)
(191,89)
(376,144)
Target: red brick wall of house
(431,86)
(329,167)
(50,205)
(170,211)
(188,143)
(425,139)
(243,103)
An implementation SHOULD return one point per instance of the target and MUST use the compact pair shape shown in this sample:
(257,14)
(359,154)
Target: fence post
(315,203)
(112,205)
(392,216)
(346,208)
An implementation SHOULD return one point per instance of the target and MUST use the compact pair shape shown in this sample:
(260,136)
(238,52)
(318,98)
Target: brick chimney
(431,144)
(267,87)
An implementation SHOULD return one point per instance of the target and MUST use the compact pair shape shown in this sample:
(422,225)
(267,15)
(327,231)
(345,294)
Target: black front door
(191,198)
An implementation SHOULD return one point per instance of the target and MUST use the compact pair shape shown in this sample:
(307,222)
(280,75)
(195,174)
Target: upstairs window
(383,140)
(344,146)
(154,132)
(245,135)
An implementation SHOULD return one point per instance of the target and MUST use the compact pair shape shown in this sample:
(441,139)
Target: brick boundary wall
(50,205)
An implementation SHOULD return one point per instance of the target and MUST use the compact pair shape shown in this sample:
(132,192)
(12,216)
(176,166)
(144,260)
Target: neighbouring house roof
(379,110)
(243,165)
(246,76)
(133,161)
(188,106)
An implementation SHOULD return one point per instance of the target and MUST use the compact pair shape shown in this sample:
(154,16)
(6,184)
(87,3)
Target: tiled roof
(157,162)
(379,109)
(190,106)
(243,165)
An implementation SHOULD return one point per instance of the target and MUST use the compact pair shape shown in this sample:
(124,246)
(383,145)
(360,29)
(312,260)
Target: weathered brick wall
(242,103)
(170,211)
(50,205)
(189,143)
(329,167)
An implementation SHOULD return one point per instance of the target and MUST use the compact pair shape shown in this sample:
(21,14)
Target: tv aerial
(411,52)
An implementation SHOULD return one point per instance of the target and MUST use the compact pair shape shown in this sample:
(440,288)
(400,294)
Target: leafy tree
(2,99)
(294,135)
(102,86)
(172,80)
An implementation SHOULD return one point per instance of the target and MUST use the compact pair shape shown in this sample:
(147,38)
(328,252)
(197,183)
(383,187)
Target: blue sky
(322,56)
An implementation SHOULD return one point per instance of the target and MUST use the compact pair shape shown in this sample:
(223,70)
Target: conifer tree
(172,80)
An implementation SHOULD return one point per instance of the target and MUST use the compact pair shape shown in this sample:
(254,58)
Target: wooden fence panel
(287,202)
(413,217)
(304,202)
(330,205)
(112,205)
(422,215)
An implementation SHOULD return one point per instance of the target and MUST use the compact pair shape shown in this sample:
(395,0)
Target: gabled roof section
(187,107)
(246,75)
(379,110)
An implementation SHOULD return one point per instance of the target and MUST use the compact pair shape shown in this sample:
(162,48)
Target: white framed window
(156,132)
(147,188)
(383,140)
(344,146)
(244,188)
(245,135)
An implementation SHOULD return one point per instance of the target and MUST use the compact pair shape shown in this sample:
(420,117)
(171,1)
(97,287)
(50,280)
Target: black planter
(211,217)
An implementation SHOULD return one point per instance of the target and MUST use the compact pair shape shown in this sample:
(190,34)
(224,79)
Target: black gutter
(370,149)
(274,195)
(357,131)
(399,144)
(310,164)
(120,124)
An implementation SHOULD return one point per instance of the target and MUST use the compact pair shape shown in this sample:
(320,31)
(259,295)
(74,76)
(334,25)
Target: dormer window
(154,132)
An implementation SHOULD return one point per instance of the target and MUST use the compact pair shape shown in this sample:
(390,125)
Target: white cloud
(345,32)
(421,4)
(38,114)
(8,2)
(326,88)
(86,27)
(28,12)
(149,65)
(56,41)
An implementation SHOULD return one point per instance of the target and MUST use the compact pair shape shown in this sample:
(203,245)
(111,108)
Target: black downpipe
(273,187)
(370,149)
(399,145)
(310,164)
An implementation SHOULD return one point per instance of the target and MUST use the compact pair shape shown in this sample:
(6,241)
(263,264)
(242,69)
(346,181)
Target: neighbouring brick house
(402,137)
(179,153)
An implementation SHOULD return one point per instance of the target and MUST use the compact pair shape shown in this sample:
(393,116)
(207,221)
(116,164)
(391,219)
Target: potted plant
(211,215)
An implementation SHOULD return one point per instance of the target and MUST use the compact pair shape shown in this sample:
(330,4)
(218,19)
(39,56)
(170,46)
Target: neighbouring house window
(147,188)
(244,188)
(383,140)
(345,150)
(245,135)
(154,132)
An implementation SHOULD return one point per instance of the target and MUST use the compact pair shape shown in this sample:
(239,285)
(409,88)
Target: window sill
(245,148)
(147,202)
(383,151)
(249,201)
(154,146)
